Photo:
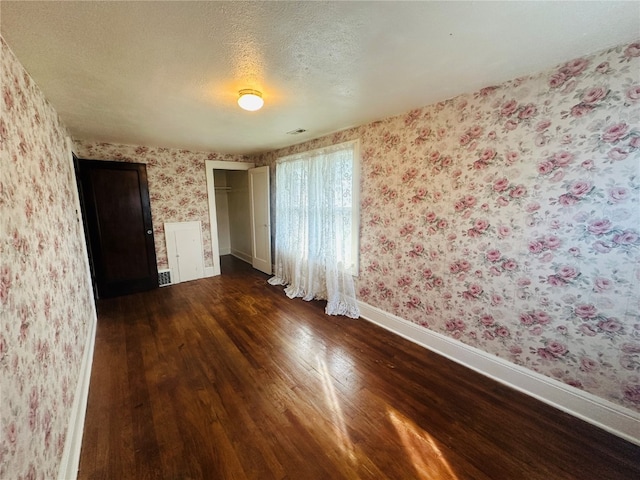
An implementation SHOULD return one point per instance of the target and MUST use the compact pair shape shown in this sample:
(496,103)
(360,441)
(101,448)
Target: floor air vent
(164,277)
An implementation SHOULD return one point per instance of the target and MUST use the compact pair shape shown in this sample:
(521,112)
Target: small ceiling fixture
(250,100)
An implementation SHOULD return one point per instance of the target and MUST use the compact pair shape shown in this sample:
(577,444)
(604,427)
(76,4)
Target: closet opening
(239,215)
(233,214)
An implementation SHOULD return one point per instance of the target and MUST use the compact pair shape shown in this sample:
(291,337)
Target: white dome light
(250,100)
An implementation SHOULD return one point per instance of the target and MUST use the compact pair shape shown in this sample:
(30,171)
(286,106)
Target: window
(336,171)
(317,216)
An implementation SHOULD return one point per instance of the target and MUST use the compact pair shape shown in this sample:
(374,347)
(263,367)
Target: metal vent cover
(164,277)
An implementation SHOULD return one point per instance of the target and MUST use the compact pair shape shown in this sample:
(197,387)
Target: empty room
(319,240)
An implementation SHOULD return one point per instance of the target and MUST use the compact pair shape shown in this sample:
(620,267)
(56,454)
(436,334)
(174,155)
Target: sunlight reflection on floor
(339,425)
(427,459)
(305,341)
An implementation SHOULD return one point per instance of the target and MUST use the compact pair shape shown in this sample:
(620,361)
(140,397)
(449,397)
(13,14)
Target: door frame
(210,166)
(85,226)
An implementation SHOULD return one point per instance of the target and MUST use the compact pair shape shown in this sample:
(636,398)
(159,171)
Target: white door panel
(260,219)
(184,250)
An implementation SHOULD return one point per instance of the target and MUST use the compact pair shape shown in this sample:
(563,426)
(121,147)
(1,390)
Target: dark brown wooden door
(117,212)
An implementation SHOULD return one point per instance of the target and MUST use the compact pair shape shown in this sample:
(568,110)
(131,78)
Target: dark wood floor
(226,378)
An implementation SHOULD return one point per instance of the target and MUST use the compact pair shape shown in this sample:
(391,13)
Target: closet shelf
(225,189)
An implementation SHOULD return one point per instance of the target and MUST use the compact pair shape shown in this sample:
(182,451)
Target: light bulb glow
(250,100)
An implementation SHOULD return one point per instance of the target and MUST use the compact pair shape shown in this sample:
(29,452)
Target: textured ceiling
(168,73)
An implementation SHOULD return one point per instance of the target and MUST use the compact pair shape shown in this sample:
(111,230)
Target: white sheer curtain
(315,257)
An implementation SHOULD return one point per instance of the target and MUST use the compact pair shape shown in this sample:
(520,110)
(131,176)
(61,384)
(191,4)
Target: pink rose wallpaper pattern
(509,219)
(177,185)
(46,304)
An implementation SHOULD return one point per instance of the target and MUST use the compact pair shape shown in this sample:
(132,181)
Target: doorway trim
(210,166)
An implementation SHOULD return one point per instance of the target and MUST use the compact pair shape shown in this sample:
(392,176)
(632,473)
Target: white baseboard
(73,443)
(225,251)
(208,272)
(613,418)
(245,257)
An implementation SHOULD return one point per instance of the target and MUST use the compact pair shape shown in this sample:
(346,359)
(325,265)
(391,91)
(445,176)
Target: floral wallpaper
(509,219)
(46,304)
(177,186)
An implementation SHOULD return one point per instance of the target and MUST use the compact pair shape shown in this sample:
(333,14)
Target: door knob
(149,232)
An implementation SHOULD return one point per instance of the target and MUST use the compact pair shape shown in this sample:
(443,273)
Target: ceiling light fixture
(250,100)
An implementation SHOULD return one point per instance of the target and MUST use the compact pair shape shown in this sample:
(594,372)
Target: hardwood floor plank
(227,378)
